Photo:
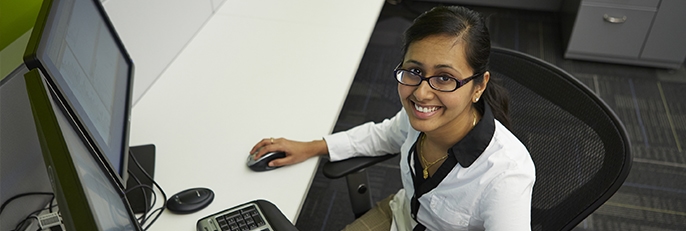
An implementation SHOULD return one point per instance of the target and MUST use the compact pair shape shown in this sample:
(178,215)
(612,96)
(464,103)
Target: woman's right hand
(296,151)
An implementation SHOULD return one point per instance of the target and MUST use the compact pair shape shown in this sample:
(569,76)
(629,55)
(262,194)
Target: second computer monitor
(87,194)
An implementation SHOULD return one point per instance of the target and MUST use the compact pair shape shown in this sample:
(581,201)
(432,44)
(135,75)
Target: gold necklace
(426,165)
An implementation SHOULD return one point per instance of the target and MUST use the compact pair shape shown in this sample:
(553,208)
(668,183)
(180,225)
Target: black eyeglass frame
(460,83)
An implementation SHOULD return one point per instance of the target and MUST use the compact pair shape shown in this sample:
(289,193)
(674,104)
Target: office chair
(579,146)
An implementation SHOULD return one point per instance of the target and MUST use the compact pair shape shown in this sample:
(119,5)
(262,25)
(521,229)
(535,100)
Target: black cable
(17,228)
(35,213)
(141,220)
(164,195)
(148,206)
(159,210)
(7,202)
(138,182)
(51,200)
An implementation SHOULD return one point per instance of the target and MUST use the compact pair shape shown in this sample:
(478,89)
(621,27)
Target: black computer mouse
(262,164)
(190,200)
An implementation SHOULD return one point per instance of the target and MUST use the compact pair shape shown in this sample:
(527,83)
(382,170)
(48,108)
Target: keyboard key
(248,209)
(231,217)
(258,220)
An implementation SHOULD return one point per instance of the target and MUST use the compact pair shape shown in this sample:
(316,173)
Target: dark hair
(470,26)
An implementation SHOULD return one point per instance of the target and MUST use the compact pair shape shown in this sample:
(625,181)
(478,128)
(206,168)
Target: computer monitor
(75,46)
(87,194)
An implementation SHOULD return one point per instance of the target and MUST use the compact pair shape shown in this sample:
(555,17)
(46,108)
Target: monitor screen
(88,196)
(76,47)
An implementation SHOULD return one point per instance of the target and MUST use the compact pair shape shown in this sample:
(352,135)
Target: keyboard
(245,217)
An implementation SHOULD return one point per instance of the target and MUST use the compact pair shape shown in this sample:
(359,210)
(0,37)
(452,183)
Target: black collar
(467,150)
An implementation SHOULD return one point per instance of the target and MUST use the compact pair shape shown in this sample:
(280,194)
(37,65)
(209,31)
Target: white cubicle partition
(257,69)
(155,31)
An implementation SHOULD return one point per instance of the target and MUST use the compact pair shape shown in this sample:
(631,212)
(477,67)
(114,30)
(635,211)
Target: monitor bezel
(36,57)
(69,192)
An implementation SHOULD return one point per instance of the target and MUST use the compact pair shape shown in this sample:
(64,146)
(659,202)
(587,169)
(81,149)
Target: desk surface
(257,69)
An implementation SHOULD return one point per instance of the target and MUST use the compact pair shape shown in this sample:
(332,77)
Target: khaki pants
(377,219)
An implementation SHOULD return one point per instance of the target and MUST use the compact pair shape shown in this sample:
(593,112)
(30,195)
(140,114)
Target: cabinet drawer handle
(613,19)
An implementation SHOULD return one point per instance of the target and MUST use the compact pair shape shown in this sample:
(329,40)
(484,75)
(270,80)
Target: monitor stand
(145,154)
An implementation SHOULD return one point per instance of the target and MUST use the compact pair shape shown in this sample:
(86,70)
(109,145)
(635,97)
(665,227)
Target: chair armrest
(338,169)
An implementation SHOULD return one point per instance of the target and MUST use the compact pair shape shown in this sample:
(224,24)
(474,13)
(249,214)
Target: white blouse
(485,184)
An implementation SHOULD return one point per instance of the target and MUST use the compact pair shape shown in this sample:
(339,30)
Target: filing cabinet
(636,32)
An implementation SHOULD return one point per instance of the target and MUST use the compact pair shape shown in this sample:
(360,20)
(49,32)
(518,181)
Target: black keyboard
(246,217)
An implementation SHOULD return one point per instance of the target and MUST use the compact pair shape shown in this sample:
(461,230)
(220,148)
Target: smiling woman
(461,168)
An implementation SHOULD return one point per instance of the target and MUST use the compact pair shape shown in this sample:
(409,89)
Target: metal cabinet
(637,32)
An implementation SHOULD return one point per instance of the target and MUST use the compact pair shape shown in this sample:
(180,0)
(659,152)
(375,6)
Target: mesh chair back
(580,148)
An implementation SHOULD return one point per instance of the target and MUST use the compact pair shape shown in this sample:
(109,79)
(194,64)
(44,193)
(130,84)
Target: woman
(460,166)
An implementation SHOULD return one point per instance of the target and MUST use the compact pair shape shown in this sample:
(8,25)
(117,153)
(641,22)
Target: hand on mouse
(296,151)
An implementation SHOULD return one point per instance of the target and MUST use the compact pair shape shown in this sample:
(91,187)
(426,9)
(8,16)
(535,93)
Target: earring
(476,100)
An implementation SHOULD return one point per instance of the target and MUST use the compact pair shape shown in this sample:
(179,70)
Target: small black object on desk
(190,200)
(143,156)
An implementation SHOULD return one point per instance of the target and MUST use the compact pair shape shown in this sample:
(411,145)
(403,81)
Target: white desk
(257,69)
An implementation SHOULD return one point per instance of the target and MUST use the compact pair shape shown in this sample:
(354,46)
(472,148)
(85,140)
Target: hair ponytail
(497,97)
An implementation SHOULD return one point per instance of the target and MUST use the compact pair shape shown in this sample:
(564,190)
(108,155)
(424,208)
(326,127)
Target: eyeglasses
(439,83)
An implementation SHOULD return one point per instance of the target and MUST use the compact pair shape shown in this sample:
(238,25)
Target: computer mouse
(262,164)
(190,200)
